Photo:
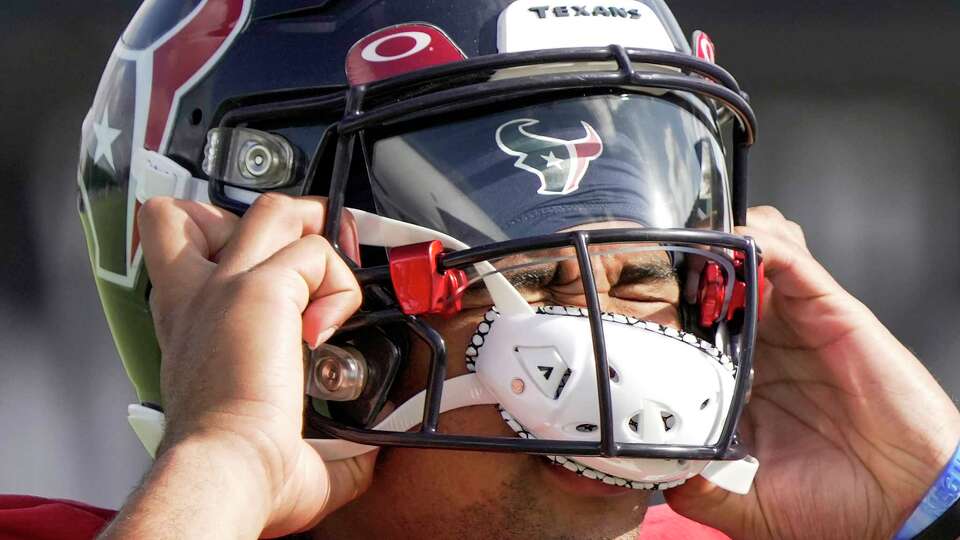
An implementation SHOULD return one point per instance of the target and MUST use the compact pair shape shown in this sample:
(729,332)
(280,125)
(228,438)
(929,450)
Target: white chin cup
(667,387)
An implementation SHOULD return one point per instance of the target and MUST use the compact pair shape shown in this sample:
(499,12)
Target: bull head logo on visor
(559,164)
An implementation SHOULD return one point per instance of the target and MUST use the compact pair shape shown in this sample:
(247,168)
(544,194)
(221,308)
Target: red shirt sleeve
(33,518)
(662,523)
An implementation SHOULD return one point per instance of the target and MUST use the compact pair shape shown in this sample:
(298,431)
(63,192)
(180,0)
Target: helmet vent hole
(614,375)
(563,384)
(669,420)
(587,428)
(704,404)
(196,117)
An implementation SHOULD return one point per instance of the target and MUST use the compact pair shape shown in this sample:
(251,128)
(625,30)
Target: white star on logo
(552,160)
(105,136)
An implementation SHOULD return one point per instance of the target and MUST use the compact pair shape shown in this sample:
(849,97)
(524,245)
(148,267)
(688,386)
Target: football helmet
(557,174)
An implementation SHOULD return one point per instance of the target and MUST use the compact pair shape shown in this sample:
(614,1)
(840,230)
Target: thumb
(349,478)
(333,483)
(320,489)
(700,500)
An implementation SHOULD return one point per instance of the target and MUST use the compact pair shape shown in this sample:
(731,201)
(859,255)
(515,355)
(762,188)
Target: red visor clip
(419,285)
(713,286)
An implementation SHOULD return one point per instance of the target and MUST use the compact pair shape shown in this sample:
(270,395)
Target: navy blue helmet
(481,150)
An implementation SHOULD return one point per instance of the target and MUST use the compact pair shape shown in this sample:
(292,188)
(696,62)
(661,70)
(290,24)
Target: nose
(569,287)
(639,284)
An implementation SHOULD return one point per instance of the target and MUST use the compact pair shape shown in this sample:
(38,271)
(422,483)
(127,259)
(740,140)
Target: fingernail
(323,337)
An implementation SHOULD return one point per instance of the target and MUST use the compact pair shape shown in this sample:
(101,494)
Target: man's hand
(849,428)
(233,300)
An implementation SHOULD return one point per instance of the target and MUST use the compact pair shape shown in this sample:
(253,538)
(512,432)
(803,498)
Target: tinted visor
(651,160)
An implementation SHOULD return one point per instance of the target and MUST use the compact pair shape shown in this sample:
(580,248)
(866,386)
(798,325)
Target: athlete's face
(439,493)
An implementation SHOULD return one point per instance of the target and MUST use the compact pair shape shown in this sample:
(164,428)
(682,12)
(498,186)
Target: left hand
(233,301)
(850,429)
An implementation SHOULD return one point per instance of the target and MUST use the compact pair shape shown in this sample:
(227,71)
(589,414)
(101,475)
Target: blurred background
(859,137)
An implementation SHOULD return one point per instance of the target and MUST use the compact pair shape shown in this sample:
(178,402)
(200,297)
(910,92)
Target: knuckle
(154,209)
(262,286)
(767,211)
(355,296)
(320,199)
(317,242)
(272,202)
(795,228)
(251,283)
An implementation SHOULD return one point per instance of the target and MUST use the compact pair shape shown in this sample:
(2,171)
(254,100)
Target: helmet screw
(517,386)
(330,376)
(256,159)
(335,373)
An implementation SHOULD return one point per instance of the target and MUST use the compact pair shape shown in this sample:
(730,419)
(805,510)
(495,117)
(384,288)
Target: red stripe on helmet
(182,56)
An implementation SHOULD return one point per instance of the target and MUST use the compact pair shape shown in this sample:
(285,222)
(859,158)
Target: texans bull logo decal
(559,164)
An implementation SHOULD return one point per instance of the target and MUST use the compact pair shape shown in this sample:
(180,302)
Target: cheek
(456,332)
(478,475)
(478,420)
(665,313)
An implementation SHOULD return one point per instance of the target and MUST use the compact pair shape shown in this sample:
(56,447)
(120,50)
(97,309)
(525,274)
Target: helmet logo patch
(703,46)
(559,164)
(395,46)
(400,49)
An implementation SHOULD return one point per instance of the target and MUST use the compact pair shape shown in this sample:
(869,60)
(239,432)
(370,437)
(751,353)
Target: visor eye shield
(602,436)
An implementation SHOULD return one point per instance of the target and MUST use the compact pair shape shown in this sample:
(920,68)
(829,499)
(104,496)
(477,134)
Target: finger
(694,263)
(790,267)
(275,221)
(180,239)
(702,501)
(772,220)
(796,232)
(350,478)
(319,489)
(766,213)
(329,294)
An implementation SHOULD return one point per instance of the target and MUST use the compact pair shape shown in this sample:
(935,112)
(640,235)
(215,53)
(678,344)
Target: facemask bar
(698,77)
(726,447)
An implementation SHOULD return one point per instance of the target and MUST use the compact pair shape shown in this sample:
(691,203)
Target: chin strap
(735,476)
(458,392)
(148,424)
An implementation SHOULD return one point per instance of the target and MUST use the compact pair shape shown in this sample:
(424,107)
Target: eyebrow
(534,276)
(647,272)
(632,273)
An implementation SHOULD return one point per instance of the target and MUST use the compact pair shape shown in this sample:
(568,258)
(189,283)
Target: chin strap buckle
(713,286)
(419,285)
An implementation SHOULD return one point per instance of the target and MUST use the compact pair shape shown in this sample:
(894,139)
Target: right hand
(233,301)
(850,429)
